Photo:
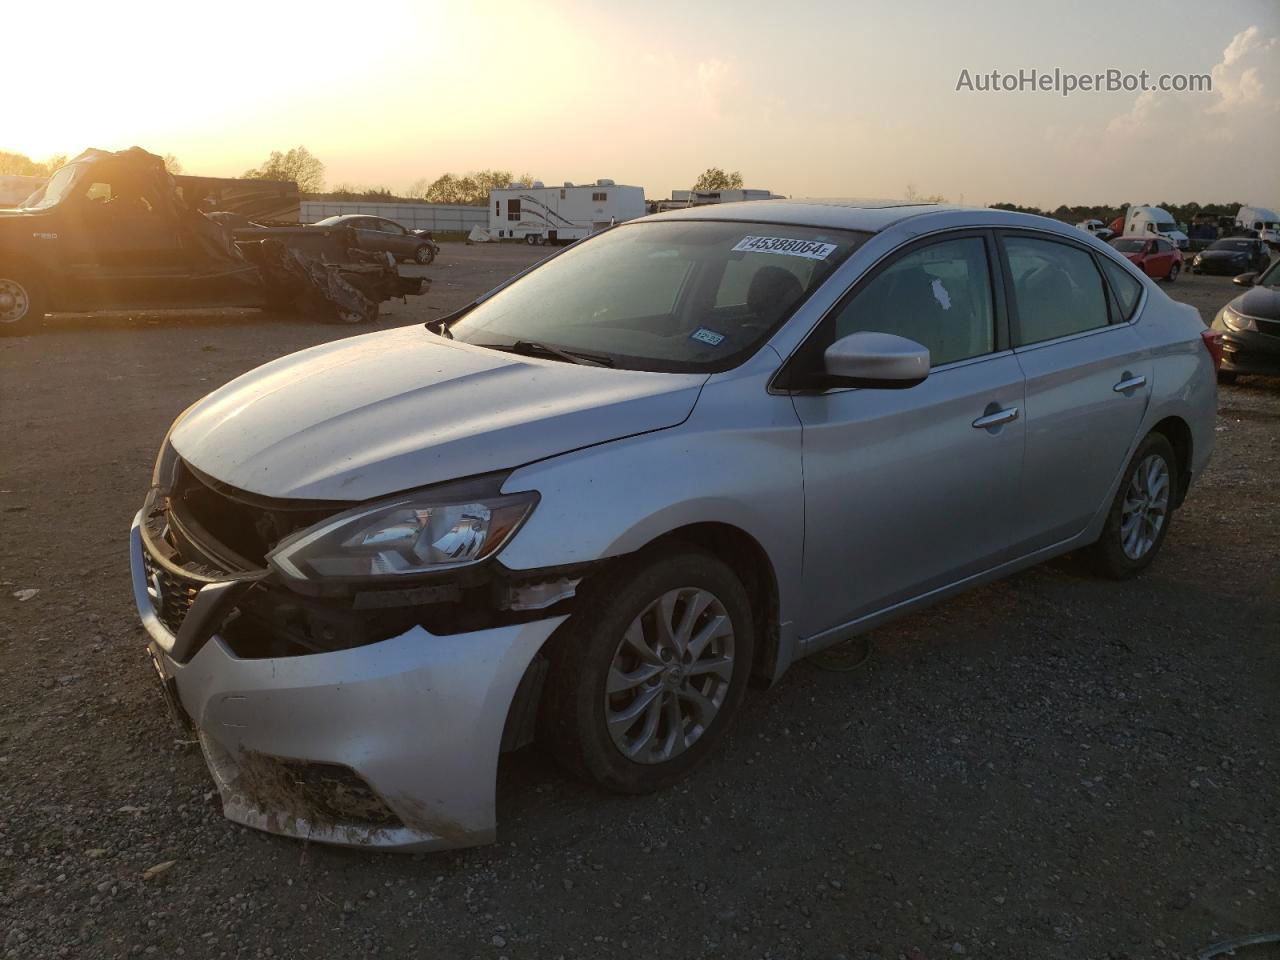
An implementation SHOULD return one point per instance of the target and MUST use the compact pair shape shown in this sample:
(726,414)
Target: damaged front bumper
(392,745)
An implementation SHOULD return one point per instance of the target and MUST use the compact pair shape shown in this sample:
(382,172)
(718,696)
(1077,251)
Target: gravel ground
(1053,766)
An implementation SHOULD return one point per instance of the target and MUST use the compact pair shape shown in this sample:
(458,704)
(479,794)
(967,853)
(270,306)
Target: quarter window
(938,296)
(1126,289)
(1057,290)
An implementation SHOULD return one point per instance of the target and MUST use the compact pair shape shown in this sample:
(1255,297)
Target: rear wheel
(1141,512)
(22,301)
(648,673)
(1226,376)
(424,255)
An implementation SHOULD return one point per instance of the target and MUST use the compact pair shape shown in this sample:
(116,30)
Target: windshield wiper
(531,348)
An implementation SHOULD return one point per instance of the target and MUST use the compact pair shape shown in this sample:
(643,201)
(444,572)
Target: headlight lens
(1237,321)
(401,537)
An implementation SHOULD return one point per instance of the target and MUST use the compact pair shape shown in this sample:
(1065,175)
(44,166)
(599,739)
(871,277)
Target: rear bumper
(393,745)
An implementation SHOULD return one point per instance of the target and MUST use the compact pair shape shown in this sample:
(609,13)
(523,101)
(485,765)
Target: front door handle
(1130,383)
(1007,415)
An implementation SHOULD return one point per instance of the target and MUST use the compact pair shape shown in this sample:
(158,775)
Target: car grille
(1270,327)
(171,595)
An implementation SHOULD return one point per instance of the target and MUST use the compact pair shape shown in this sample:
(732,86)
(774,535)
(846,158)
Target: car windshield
(1236,246)
(1129,244)
(678,295)
(328,221)
(53,192)
(1166,226)
(1271,278)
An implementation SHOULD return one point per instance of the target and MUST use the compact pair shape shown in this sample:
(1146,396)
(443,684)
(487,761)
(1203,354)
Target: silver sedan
(591,506)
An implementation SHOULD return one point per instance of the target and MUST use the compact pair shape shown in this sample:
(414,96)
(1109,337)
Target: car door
(398,240)
(122,246)
(908,490)
(1088,380)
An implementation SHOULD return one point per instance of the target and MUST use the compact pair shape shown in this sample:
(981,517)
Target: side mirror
(875,360)
(1245,279)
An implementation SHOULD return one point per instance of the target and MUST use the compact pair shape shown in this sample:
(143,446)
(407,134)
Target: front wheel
(21,301)
(1226,376)
(1173,272)
(1141,512)
(647,675)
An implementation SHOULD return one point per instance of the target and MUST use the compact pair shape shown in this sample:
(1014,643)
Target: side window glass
(1124,286)
(938,296)
(1057,290)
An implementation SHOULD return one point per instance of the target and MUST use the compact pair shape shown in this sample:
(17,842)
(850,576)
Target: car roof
(855,214)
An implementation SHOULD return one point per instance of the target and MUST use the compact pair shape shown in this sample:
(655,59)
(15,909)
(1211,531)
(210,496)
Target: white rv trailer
(698,198)
(541,214)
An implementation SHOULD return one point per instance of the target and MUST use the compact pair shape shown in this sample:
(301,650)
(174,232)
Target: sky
(808,99)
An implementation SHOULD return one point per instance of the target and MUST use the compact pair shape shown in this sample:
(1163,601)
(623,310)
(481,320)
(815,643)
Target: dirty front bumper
(392,745)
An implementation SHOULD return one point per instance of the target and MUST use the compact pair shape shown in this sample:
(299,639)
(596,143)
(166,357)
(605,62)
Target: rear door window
(1057,290)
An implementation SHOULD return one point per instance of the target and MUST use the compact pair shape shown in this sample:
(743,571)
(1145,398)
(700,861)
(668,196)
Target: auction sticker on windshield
(787,246)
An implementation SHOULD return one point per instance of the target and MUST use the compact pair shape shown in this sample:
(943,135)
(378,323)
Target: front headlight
(1237,321)
(413,534)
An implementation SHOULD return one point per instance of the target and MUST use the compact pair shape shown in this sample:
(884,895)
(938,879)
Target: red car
(1154,256)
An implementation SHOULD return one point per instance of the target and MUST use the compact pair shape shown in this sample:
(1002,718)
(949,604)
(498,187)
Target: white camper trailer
(1144,221)
(1261,223)
(561,214)
(699,198)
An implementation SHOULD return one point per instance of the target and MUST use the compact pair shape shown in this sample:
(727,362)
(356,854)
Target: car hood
(1260,302)
(1223,254)
(390,411)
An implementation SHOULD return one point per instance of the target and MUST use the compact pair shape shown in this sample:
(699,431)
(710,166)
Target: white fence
(441,217)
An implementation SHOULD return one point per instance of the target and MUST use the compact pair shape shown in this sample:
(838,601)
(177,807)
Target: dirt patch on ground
(1051,767)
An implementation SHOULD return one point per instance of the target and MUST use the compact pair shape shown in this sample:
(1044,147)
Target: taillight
(1213,343)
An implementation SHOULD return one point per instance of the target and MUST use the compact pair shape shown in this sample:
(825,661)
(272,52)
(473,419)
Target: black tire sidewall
(1173,272)
(574,704)
(422,255)
(1109,555)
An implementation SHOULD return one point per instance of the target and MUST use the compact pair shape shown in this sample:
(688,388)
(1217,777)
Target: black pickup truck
(111,231)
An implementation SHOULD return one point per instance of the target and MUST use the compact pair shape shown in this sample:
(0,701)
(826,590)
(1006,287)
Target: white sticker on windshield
(707,336)
(787,246)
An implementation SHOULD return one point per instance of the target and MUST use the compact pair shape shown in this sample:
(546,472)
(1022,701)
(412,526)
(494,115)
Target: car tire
(1173,272)
(530,239)
(22,300)
(424,255)
(1141,513)
(1227,376)
(684,703)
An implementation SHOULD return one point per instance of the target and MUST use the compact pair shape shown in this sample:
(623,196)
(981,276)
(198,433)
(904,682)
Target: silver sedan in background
(594,504)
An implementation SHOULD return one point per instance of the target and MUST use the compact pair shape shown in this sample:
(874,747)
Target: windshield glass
(328,221)
(54,191)
(1239,246)
(1129,244)
(1272,277)
(675,295)
(1166,226)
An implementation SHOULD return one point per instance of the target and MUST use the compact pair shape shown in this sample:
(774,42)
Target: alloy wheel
(670,675)
(14,301)
(1146,503)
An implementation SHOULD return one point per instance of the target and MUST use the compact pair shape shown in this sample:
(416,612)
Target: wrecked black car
(110,231)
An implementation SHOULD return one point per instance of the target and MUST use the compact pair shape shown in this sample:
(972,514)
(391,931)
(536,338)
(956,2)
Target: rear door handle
(1132,383)
(1008,415)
